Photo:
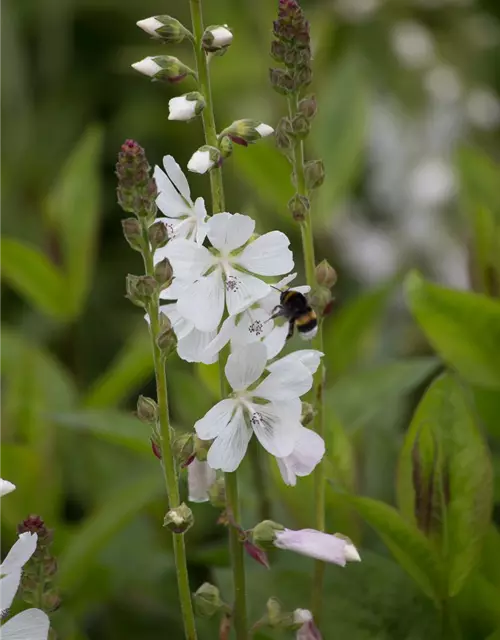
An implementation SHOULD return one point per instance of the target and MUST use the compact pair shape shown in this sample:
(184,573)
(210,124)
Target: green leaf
(131,368)
(340,453)
(73,209)
(352,329)
(445,478)
(408,545)
(112,426)
(339,130)
(463,327)
(97,531)
(30,273)
(479,180)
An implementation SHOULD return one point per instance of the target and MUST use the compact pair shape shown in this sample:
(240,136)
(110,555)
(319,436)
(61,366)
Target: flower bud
(136,189)
(147,410)
(307,414)
(164,273)
(326,276)
(132,231)
(204,159)
(201,477)
(217,494)
(207,600)
(283,135)
(156,447)
(166,340)
(140,289)
(163,68)
(314,174)
(201,448)
(274,612)
(302,77)
(186,107)
(165,28)
(319,299)
(264,533)
(256,553)
(278,51)
(216,37)
(247,131)
(281,81)
(308,106)
(226,146)
(179,519)
(183,447)
(299,207)
(300,126)
(158,235)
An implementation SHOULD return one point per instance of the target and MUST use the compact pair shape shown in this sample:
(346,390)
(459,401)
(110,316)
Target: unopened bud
(302,77)
(226,146)
(163,68)
(217,37)
(184,449)
(278,51)
(246,131)
(281,81)
(319,299)
(164,272)
(299,207)
(314,174)
(179,519)
(308,413)
(284,135)
(140,289)
(264,533)
(156,447)
(300,126)
(308,106)
(201,448)
(147,410)
(165,28)
(207,600)
(158,235)
(255,552)
(166,340)
(217,494)
(326,276)
(136,189)
(274,615)
(204,159)
(186,107)
(133,233)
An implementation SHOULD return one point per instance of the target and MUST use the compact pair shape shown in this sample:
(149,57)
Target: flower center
(257,327)
(232,283)
(256,418)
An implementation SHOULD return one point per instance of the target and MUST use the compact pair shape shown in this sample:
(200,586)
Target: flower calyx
(132,232)
(141,289)
(164,273)
(264,533)
(165,28)
(217,39)
(246,131)
(166,341)
(314,171)
(163,68)
(299,206)
(326,276)
(179,519)
(207,601)
(157,235)
(184,449)
(147,410)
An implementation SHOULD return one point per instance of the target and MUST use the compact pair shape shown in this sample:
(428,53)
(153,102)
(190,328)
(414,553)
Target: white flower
(6,487)
(255,324)
(309,449)
(147,66)
(225,275)
(150,26)
(272,410)
(200,478)
(318,545)
(264,130)
(186,107)
(191,343)
(413,44)
(11,567)
(183,218)
(222,37)
(201,161)
(31,624)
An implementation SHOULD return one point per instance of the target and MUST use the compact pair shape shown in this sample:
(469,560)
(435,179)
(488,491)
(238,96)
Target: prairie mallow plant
(214,289)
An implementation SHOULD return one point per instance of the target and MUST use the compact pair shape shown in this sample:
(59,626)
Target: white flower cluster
(222,294)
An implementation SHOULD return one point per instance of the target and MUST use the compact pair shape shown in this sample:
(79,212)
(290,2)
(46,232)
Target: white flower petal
(169,201)
(274,428)
(229,448)
(221,37)
(21,552)
(200,162)
(303,289)
(215,420)
(177,176)
(229,231)
(193,347)
(175,290)
(285,383)
(147,66)
(183,228)
(200,213)
(180,108)
(6,487)
(180,325)
(264,130)
(310,358)
(309,449)
(150,25)
(200,478)
(222,338)
(31,624)
(252,326)
(203,301)
(188,259)
(245,365)
(268,255)
(276,340)
(9,585)
(315,544)
(242,290)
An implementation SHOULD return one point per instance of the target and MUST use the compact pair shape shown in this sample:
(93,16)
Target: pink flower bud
(256,553)
(318,545)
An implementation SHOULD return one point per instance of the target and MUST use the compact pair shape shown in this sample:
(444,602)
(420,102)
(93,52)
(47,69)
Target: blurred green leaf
(73,209)
(490,561)
(339,132)
(340,453)
(479,180)
(131,368)
(97,531)
(487,403)
(463,327)
(30,273)
(445,478)
(352,328)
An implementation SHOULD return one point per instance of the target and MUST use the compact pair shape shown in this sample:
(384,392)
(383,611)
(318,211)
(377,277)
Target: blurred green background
(408,128)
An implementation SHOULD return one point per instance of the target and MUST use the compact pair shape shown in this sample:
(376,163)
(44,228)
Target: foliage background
(408,130)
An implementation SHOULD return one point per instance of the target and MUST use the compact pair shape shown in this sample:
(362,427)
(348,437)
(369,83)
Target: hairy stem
(168,460)
(217,190)
(306,230)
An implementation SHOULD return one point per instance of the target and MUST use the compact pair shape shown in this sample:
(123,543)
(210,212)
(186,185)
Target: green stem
(217,190)
(307,235)
(208,112)
(168,460)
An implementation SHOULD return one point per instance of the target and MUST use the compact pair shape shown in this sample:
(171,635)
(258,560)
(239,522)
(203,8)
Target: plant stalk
(217,191)
(168,460)
(307,236)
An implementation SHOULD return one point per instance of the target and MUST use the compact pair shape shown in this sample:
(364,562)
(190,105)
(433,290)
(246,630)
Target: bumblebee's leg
(276,312)
(291,325)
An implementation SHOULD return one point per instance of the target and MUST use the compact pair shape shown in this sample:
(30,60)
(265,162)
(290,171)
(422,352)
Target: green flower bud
(217,494)
(308,106)
(141,289)
(299,207)
(207,600)
(201,448)
(226,146)
(158,235)
(164,273)
(308,413)
(246,131)
(300,126)
(320,300)
(165,28)
(264,533)
(314,174)
(163,68)
(216,38)
(326,276)
(184,448)
(132,231)
(281,81)
(166,340)
(179,519)
(147,410)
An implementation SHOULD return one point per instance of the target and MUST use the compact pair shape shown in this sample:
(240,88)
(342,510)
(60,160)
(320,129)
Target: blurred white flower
(482,108)
(318,545)
(432,183)
(183,218)
(357,10)
(413,44)
(6,487)
(200,478)
(443,84)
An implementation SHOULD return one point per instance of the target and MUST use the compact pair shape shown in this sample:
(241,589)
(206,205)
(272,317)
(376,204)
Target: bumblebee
(295,307)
